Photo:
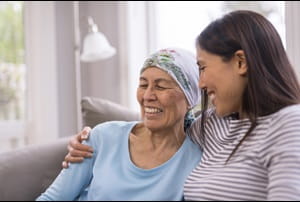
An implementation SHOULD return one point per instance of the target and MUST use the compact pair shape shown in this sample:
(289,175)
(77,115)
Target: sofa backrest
(97,110)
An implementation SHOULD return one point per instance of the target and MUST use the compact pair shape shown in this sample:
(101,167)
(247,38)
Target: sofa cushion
(97,110)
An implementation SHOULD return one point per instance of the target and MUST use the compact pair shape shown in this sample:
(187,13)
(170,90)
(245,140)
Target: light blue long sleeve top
(111,175)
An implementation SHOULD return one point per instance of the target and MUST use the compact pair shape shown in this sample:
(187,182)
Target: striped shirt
(266,165)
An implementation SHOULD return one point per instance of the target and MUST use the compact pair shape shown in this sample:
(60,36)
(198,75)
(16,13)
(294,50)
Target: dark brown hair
(272,82)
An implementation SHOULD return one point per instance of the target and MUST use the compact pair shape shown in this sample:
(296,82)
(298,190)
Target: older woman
(146,160)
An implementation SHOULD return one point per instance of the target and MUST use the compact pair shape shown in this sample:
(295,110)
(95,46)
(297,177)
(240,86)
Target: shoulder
(284,128)
(209,114)
(192,147)
(195,132)
(211,118)
(287,115)
(292,109)
(281,140)
(113,126)
(110,131)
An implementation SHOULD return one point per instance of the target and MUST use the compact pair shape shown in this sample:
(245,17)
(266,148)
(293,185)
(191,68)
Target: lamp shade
(95,45)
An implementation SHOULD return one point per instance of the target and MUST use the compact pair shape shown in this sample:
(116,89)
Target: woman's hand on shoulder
(77,150)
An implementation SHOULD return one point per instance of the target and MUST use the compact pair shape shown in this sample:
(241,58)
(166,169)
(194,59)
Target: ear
(241,60)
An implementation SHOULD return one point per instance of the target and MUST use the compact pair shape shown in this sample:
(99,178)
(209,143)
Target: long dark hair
(272,82)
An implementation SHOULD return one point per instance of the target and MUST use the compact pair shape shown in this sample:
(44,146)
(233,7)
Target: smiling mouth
(152,110)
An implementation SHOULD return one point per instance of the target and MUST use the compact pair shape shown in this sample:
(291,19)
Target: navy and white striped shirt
(266,165)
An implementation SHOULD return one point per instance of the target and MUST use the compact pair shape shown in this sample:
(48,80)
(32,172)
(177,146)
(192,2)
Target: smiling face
(163,104)
(224,81)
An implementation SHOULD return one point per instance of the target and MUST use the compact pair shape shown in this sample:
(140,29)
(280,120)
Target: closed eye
(161,88)
(201,69)
(143,85)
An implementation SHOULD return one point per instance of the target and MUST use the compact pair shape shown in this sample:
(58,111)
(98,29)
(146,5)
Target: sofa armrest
(27,172)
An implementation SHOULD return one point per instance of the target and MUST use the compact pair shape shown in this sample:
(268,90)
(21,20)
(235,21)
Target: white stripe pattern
(266,166)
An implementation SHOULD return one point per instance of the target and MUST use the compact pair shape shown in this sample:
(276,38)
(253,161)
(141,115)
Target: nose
(201,83)
(149,94)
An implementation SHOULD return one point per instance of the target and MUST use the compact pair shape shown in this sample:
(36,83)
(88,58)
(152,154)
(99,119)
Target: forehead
(200,55)
(204,57)
(157,75)
(155,72)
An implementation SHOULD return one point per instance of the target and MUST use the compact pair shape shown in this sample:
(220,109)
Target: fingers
(79,152)
(72,159)
(69,158)
(65,164)
(77,140)
(75,145)
(84,134)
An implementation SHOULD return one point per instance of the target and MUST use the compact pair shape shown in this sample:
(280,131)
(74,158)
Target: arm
(70,183)
(283,159)
(77,150)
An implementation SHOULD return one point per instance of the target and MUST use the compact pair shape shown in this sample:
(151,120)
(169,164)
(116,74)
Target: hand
(77,150)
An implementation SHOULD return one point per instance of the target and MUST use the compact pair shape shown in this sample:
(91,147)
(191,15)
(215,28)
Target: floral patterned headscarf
(181,65)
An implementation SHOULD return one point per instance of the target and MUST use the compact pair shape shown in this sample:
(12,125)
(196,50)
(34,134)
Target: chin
(223,113)
(151,125)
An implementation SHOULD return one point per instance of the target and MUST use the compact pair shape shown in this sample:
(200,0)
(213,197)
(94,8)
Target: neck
(149,148)
(168,137)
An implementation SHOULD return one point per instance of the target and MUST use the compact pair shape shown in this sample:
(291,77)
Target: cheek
(177,104)
(223,79)
(210,76)
(139,95)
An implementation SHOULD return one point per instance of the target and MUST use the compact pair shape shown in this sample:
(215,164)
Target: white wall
(102,78)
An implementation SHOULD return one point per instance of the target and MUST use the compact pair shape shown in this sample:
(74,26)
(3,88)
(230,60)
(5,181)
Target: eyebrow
(159,80)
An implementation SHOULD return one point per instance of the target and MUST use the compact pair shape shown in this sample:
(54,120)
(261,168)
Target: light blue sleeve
(71,182)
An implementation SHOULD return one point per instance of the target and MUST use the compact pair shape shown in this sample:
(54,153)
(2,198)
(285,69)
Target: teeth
(152,110)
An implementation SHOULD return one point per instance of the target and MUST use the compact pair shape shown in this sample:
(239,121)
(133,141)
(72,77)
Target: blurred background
(42,78)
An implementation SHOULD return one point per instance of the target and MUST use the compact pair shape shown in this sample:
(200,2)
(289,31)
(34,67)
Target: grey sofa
(25,173)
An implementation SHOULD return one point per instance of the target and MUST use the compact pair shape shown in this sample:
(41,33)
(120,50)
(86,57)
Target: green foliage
(12,68)
(11,32)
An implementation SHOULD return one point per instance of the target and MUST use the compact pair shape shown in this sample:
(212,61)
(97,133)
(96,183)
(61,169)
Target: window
(12,74)
(48,97)
(179,23)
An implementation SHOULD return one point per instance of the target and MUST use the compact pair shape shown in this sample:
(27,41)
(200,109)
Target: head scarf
(181,65)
